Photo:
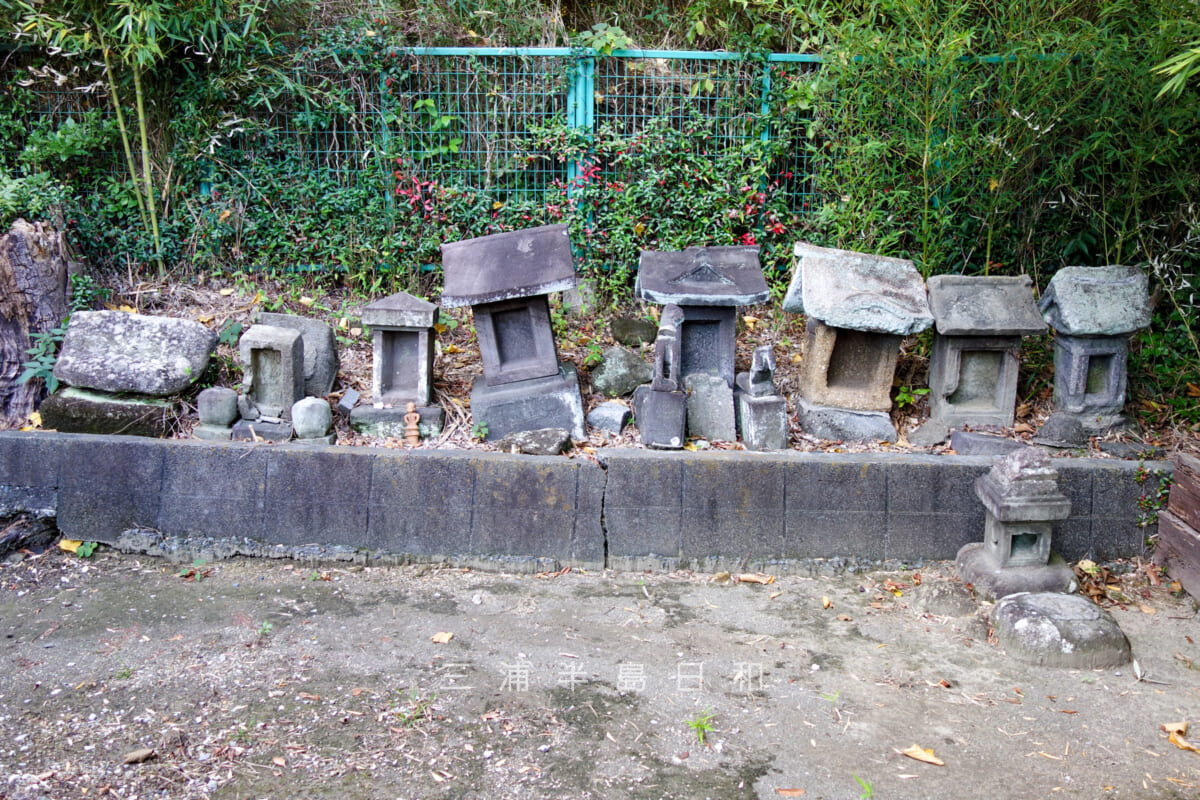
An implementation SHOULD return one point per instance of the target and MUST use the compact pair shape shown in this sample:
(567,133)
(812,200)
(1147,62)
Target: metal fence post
(581,106)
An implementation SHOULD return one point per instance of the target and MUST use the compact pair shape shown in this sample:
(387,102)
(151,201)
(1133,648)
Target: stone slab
(507,265)
(306,505)
(29,472)
(75,410)
(661,418)
(840,424)
(710,412)
(268,430)
(973,443)
(540,442)
(702,276)
(1097,301)
(977,567)
(611,416)
(529,405)
(389,422)
(983,305)
(1059,630)
(208,489)
(115,351)
(109,484)
(858,291)
(320,350)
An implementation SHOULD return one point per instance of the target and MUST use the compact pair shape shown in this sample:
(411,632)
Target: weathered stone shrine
(402,339)
(859,307)
(979,322)
(1093,311)
(1023,501)
(506,278)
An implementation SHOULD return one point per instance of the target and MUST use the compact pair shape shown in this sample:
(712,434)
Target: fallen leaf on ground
(279,761)
(441,637)
(306,302)
(1176,731)
(70,545)
(826,602)
(789,792)
(922,754)
(756,577)
(845,618)
(138,756)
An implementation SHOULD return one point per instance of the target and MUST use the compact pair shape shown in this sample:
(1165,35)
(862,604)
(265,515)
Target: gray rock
(702,276)
(710,413)
(348,401)
(217,406)
(311,418)
(984,305)
(633,331)
(762,419)
(620,373)
(542,442)
(507,265)
(246,408)
(1131,450)
(858,291)
(929,433)
(944,599)
(1059,630)
(320,350)
(970,443)
(113,351)
(75,410)
(611,416)
(580,301)
(212,433)
(839,424)
(1097,301)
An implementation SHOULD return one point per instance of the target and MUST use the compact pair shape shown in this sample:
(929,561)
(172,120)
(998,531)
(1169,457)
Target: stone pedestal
(761,412)
(270,430)
(840,424)
(553,402)
(218,410)
(401,348)
(710,413)
(75,410)
(272,368)
(389,421)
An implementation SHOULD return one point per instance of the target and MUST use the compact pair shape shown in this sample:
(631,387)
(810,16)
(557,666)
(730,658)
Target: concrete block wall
(631,509)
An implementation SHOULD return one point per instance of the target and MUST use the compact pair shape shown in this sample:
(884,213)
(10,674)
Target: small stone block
(217,406)
(528,405)
(320,350)
(268,430)
(389,422)
(971,443)
(542,442)
(762,421)
(348,401)
(610,416)
(1059,630)
(312,418)
(710,413)
(839,424)
(633,331)
(212,433)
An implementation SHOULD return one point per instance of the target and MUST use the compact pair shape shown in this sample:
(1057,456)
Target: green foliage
(43,354)
(702,726)
(479,430)
(604,39)
(908,396)
(86,293)
(868,791)
(1156,490)
(86,549)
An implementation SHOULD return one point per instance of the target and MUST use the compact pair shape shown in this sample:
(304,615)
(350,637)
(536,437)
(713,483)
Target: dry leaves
(756,577)
(441,637)
(790,792)
(138,756)
(922,754)
(1176,733)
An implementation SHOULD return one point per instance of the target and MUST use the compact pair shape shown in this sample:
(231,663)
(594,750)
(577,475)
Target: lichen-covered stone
(1059,630)
(115,351)
(620,373)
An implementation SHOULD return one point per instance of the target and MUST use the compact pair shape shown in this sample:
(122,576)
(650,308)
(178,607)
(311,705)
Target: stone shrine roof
(702,276)
(507,265)
(1097,301)
(400,310)
(858,291)
(984,306)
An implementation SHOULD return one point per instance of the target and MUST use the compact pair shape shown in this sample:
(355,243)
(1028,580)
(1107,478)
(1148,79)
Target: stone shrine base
(977,567)
(553,402)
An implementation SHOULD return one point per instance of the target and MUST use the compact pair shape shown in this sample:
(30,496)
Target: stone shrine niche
(516,340)
(272,369)
(506,278)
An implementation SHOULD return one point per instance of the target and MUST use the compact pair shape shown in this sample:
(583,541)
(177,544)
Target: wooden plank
(1185,502)
(1181,549)
(1187,471)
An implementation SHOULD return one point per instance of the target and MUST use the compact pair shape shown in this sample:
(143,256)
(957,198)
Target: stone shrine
(979,322)
(762,417)
(1022,500)
(661,408)
(505,278)
(859,307)
(402,328)
(272,370)
(1093,311)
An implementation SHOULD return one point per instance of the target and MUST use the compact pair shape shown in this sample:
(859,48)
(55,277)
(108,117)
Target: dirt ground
(275,679)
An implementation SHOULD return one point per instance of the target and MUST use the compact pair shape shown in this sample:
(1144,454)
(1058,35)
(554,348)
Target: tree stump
(34,264)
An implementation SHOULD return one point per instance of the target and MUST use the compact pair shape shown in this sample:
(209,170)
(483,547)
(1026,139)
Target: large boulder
(114,351)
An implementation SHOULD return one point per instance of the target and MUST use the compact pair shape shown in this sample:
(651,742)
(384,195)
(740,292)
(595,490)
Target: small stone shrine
(506,278)
(401,367)
(1023,501)
(762,417)
(859,307)
(979,322)
(706,285)
(272,381)
(1093,311)
(661,409)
